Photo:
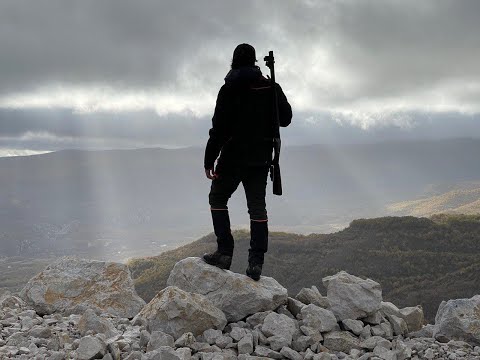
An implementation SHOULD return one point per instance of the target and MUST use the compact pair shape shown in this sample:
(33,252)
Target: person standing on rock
(242,132)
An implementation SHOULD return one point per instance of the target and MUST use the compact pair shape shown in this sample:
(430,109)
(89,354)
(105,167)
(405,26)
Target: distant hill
(458,201)
(417,260)
(127,203)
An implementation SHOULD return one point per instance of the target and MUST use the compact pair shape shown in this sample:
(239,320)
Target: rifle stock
(275,174)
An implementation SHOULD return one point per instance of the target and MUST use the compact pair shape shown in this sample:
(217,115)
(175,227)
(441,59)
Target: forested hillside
(417,260)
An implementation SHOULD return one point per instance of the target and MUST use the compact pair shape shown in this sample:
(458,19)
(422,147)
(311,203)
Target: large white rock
(176,312)
(73,285)
(351,297)
(235,294)
(459,319)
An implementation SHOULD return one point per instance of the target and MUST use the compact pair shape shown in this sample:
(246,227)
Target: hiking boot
(219,260)
(254,271)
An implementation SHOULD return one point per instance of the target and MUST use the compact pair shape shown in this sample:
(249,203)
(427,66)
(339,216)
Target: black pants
(254,180)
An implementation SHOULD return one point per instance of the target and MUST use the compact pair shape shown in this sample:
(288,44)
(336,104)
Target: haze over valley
(123,203)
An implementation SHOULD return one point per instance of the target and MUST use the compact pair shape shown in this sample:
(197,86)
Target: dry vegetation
(417,260)
(460,201)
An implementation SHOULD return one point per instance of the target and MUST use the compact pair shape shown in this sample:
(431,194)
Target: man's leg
(220,192)
(255,183)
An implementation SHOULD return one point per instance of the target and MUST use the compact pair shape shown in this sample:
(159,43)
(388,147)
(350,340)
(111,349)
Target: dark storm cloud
(133,72)
(120,42)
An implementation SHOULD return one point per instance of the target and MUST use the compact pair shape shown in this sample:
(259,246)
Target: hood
(243,76)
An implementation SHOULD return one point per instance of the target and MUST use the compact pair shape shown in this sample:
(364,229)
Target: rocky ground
(78,309)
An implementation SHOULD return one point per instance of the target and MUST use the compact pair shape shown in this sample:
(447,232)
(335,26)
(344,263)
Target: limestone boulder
(176,312)
(351,297)
(72,285)
(235,294)
(459,319)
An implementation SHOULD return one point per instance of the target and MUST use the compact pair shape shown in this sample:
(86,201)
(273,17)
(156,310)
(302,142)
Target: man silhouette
(242,132)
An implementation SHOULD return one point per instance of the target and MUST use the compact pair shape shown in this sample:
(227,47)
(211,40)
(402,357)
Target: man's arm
(284,108)
(220,131)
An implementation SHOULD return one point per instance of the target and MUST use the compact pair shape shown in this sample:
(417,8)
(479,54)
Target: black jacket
(242,125)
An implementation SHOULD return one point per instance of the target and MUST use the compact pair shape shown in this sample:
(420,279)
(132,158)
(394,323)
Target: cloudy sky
(124,74)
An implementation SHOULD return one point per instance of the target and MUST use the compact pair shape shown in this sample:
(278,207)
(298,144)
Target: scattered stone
(312,296)
(39,331)
(374,341)
(398,324)
(257,318)
(267,334)
(282,309)
(263,351)
(91,347)
(294,306)
(186,340)
(384,353)
(162,353)
(175,312)
(114,350)
(290,353)
(301,343)
(355,326)
(278,342)
(351,297)
(91,322)
(237,333)
(279,325)
(245,345)
(413,316)
(223,341)
(377,330)
(341,341)
(159,339)
(366,332)
(388,329)
(373,319)
(211,335)
(319,318)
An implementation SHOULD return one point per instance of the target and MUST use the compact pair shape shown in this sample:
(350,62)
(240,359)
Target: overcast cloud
(119,73)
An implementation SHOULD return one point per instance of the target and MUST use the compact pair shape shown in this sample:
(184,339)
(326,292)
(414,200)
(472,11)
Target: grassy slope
(416,260)
(462,201)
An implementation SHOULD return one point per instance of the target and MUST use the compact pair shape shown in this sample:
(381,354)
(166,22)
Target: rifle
(275,175)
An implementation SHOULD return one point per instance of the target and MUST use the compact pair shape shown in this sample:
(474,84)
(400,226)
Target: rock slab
(235,294)
(72,285)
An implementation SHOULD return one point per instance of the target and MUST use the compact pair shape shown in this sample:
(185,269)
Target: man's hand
(210,173)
